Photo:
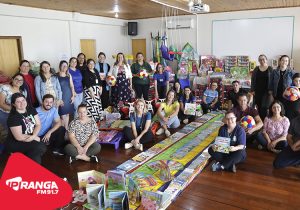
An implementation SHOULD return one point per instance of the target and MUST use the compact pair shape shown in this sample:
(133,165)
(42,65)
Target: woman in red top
(28,82)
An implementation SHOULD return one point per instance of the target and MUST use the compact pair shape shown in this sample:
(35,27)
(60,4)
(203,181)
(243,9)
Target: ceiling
(139,9)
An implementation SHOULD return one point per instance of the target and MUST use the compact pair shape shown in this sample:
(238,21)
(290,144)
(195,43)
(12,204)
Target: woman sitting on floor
(168,114)
(83,133)
(276,126)
(237,151)
(140,132)
(187,97)
(24,125)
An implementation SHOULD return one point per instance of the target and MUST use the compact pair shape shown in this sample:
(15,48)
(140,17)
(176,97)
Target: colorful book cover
(164,172)
(128,165)
(118,200)
(95,196)
(172,164)
(134,194)
(107,136)
(143,156)
(195,124)
(144,180)
(190,109)
(115,180)
(222,144)
(90,177)
(198,162)
(155,200)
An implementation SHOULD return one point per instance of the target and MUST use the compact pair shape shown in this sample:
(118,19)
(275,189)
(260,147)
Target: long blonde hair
(143,102)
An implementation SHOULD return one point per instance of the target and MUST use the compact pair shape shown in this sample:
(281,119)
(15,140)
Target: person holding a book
(243,109)
(276,125)
(83,133)
(210,98)
(290,156)
(187,114)
(168,114)
(139,133)
(233,149)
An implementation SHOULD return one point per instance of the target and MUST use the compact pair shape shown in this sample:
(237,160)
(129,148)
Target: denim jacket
(40,88)
(287,79)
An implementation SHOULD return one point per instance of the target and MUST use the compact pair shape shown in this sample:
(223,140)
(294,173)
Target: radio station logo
(41,187)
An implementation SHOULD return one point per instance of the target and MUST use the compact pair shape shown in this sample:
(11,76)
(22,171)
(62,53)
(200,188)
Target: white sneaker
(160,131)
(128,145)
(139,147)
(185,121)
(167,132)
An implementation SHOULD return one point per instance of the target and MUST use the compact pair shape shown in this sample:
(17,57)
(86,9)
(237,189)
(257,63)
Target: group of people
(276,117)
(36,110)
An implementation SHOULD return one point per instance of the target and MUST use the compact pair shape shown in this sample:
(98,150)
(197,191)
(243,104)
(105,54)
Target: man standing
(52,132)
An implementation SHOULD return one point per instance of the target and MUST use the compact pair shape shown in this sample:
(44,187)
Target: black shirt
(280,86)
(261,84)
(26,120)
(233,96)
(91,78)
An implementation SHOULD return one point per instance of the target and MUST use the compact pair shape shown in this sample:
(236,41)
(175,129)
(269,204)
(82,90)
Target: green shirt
(136,68)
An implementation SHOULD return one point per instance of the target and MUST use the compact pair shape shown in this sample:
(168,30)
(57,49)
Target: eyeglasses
(230,118)
(19,80)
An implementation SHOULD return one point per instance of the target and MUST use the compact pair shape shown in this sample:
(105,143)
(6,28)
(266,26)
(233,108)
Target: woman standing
(92,90)
(6,92)
(28,82)
(47,83)
(68,93)
(168,114)
(237,149)
(77,82)
(261,86)
(81,64)
(282,78)
(161,82)
(24,126)
(103,69)
(139,133)
(276,126)
(123,88)
(141,85)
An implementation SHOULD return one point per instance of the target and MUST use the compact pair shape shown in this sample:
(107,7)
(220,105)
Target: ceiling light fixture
(196,6)
(116,15)
(116,8)
(168,5)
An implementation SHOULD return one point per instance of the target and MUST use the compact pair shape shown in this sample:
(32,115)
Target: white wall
(205,28)
(51,35)
(178,36)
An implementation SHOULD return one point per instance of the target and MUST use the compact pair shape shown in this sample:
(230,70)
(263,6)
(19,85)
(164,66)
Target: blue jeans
(77,101)
(3,119)
(287,157)
(173,122)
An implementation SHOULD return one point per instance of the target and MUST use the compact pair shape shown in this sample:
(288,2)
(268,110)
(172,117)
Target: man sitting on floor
(210,98)
(234,93)
(52,132)
(243,109)
(290,156)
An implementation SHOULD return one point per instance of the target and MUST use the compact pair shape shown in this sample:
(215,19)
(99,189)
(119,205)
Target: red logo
(27,185)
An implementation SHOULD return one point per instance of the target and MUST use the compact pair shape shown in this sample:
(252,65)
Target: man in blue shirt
(52,132)
(210,98)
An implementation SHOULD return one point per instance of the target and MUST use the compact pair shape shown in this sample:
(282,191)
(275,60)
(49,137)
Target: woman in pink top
(276,125)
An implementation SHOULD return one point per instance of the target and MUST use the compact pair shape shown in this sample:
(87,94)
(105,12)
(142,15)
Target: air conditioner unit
(180,24)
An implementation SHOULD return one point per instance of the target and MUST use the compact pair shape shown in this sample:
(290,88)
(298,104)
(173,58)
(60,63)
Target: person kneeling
(167,114)
(140,132)
(83,133)
(237,151)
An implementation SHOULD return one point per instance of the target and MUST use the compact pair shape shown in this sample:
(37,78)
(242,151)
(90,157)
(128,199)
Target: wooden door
(10,55)
(88,47)
(139,45)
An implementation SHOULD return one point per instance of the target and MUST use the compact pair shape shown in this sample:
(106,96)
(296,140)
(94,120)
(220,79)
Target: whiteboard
(272,36)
